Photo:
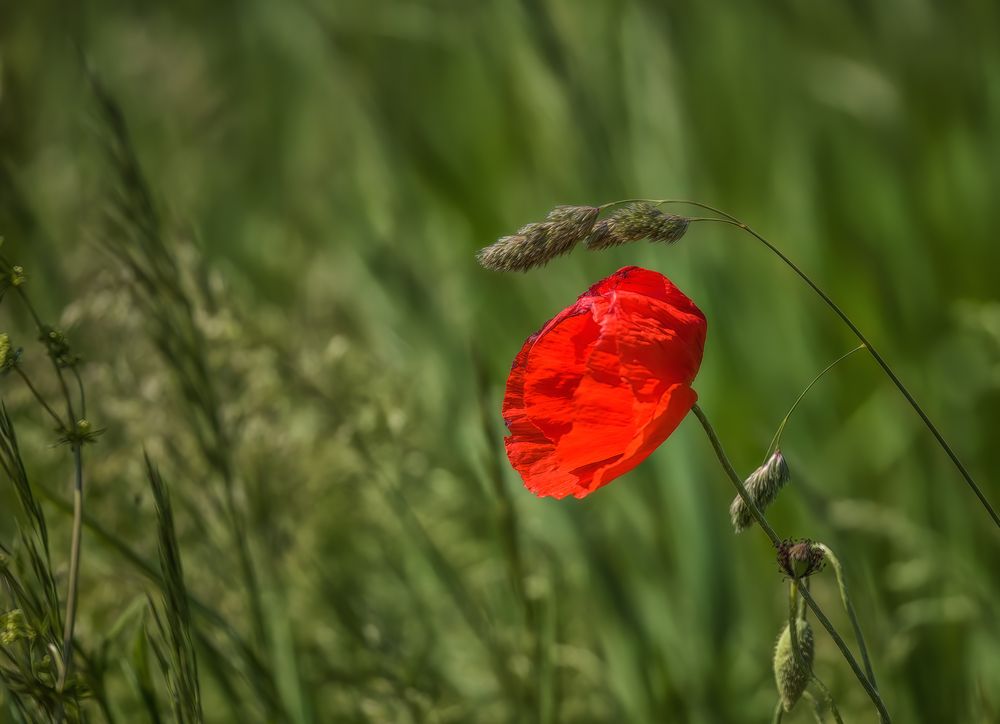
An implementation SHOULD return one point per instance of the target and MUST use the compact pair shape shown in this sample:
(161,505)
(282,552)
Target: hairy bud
(538,243)
(800,558)
(791,674)
(763,486)
(634,222)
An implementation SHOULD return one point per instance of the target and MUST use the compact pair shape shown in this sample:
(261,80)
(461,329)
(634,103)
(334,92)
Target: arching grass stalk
(838,570)
(776,440)
(733,221)
(799,583)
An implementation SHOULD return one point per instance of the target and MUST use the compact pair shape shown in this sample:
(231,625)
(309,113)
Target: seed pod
(763,486)
(790,674)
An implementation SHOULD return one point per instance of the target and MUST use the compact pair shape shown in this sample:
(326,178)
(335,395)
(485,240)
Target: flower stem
(848,656)
(733,221)
(793,615)
(799,583)
(74,568)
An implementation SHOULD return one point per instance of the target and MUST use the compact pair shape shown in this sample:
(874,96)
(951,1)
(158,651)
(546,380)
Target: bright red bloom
(603,383)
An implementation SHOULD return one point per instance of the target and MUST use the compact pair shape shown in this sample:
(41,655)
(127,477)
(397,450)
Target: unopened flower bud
(763,486)
(801,558)
(83,432)
(792,674)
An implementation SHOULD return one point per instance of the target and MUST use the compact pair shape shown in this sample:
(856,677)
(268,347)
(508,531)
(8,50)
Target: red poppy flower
(603,383)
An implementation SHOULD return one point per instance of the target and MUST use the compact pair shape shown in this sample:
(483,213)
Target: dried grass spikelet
(537,243)
(791,675)
(763,485)
(634,222)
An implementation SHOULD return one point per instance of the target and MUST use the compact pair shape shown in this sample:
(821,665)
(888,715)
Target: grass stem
(838,569)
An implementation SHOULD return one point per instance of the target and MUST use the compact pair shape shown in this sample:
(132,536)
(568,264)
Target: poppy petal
(603,383)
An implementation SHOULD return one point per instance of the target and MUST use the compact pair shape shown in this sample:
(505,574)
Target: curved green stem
(776,440)
(799,583)
(793,631)
(734,476)
(74,569)
(60,425)
(848,656)
(849,608)
(733,221)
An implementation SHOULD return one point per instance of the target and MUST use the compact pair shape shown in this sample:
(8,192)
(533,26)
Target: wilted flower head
(538,243)
(800,558)
(791,674)
(636,221)
(763,486)
(603,383)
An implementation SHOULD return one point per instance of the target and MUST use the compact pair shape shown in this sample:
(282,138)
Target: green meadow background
(324,174)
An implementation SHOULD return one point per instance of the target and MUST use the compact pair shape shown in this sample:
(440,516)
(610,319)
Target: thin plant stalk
(776,440)
(799,583)
(38,396)
(849,608)
(74,567)
(733,221)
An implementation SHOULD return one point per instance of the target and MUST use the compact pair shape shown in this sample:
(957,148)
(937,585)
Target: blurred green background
(326,173)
